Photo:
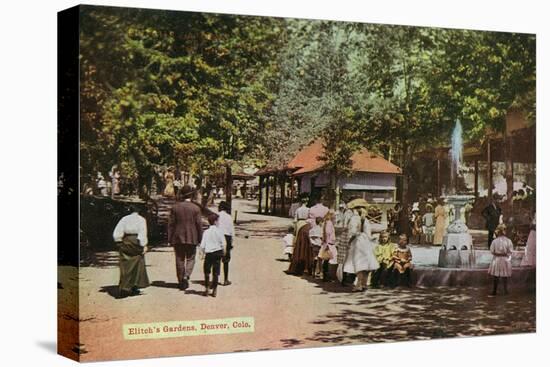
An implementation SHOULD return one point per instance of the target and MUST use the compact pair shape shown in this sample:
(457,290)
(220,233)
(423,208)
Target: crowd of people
(344,246)
(186,236)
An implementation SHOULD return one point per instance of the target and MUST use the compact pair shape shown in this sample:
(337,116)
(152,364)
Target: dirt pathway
(288,311)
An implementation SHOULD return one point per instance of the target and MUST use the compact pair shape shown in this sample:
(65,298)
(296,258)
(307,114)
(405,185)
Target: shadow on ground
(381,315)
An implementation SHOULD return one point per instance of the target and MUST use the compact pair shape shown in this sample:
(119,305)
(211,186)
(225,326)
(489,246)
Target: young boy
(384,255)
(402,260)
(315,237)
(213,248)
(288,243)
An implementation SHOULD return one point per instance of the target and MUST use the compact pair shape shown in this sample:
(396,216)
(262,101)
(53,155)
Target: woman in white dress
(361,259)
(530,256)
(501,266)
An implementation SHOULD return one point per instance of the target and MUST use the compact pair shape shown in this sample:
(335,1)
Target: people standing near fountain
(384,255)
(402,259)
(440,215)
(361,260)
(492,214)
(428,224)
(501,266)
(415,224)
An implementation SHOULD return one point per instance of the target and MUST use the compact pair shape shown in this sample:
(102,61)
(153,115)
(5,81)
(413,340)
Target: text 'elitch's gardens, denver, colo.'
(174,329)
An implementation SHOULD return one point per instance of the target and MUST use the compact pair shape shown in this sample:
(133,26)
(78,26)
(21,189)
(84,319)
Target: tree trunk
(509,172)
(228,184)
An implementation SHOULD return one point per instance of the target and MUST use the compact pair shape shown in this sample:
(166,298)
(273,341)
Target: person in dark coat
(185,233)
(492,214)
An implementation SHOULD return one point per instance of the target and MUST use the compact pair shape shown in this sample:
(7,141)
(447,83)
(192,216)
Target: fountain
(457,249)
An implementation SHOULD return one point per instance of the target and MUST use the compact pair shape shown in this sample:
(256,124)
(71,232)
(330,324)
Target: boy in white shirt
(288,243)
(213,248)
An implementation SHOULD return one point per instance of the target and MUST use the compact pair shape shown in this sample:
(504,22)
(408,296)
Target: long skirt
(302,257)
(530,256)
(132,264)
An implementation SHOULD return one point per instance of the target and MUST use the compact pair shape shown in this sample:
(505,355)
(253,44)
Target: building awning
(359,187)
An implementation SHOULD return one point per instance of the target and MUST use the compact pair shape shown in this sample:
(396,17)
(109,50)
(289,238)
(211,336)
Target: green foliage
(203,91)
(164,88)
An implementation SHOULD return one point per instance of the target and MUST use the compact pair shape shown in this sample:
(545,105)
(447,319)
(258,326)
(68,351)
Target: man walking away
(184,234)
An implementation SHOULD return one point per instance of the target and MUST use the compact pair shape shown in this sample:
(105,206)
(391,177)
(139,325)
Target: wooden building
(373,178)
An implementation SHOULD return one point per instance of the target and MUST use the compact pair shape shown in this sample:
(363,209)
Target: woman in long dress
(530,256)
(302,255)
(440,215)
(361,259)
(130,236)
(169,180)
(501,266)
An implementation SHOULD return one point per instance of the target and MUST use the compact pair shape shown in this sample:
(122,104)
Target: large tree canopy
(163,88)
(205,90)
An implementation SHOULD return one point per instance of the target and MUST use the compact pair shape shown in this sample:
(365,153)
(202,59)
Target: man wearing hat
(185,233)
(492,214)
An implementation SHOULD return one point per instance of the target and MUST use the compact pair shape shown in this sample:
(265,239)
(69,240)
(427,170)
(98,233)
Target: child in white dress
(501,266)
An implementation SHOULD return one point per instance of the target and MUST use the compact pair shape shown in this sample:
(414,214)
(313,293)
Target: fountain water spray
(456,154)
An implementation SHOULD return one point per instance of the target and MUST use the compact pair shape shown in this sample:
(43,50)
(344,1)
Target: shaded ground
(289,311)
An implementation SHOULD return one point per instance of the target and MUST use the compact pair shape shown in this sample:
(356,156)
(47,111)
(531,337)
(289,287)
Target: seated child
(384,254)
(402,262)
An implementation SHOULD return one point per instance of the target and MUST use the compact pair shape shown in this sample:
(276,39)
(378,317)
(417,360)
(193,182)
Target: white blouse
(131,224)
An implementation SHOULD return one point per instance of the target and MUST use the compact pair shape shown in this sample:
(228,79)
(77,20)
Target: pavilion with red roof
(373,178)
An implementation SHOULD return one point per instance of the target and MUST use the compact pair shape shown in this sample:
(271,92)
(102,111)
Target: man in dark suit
(492,214)
(185,233)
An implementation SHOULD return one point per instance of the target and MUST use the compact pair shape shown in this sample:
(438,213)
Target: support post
(476,179)
(283,193)
(260,194)
(266,209)
(438,177)
(489,170)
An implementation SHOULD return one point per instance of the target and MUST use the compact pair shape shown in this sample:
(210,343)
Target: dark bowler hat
(186,191)
(224,205)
